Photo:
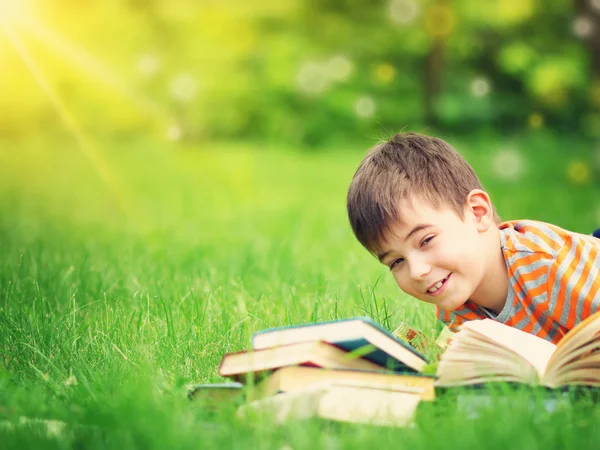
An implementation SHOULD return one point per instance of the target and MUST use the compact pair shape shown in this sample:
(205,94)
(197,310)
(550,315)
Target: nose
(418,268)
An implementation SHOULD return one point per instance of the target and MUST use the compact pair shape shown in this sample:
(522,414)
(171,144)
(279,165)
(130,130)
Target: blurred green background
(514,85)
(300,72)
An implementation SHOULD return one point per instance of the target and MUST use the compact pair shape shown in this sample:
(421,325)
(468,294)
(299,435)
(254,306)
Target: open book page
(577,342)
(473,358)
(584,371)
(583,331)
(576,359)
(535,350)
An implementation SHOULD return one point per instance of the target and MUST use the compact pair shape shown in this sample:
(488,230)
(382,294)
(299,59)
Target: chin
(451,305)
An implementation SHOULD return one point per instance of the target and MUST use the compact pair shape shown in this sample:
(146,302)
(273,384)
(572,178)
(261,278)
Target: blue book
(359,335)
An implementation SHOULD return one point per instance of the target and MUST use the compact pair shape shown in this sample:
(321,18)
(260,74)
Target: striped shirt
(553,281)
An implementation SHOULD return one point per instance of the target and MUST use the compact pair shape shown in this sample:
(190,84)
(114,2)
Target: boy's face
(434,255)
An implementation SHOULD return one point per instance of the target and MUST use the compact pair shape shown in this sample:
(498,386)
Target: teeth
(437,286)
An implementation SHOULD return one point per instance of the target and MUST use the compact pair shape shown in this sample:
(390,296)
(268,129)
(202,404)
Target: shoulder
(532,247)
(533,237)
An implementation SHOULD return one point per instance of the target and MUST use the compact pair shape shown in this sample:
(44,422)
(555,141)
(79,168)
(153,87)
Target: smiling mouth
(437,286)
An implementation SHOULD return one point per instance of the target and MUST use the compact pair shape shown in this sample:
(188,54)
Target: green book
(216,392)
(359,335)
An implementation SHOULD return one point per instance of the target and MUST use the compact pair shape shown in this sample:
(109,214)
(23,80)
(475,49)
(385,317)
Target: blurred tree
(307,72)
(439,24)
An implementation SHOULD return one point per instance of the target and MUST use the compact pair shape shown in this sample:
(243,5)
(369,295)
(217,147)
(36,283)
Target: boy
(418,206)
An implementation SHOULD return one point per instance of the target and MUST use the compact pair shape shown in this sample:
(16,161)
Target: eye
(427,240)
(395,263)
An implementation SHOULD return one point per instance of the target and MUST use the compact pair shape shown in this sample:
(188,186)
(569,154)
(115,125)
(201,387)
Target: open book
(486,350)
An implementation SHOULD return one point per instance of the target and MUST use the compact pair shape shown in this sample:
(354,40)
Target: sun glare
(15,18)
(13,10)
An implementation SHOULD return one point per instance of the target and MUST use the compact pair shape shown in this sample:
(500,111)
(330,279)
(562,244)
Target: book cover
(360,335)
(312,353)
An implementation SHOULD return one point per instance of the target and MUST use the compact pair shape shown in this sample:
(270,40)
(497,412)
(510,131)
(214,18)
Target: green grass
(120,288)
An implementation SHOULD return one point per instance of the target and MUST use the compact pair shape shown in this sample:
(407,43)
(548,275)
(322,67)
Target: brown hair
(407,164)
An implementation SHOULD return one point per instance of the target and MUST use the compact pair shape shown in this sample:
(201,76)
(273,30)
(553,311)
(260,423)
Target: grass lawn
(125,277)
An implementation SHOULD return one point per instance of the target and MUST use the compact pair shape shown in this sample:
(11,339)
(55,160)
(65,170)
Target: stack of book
(354,370)
(348,370)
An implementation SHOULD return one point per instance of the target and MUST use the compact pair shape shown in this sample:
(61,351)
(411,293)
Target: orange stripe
(544,237)
(545,329)
(578,287)
(532,293)
(456,323)
(528,327)
(517,317)
(587,305)
(523,261)
(471,315)
(539,272)
(568,273)
(551,279)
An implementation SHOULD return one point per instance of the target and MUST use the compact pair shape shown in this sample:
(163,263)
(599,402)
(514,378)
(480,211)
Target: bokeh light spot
(440,21)
(578,172)
(174,132)
(183,88)
(148,65)
(480,87)
(583,27)
(509,164)
(312,78)
(339,68)
(403,11)
(365,107)
(536,120)
(385,73)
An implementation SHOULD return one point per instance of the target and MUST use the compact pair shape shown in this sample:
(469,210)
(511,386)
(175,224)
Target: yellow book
(294,378)
(486,350)
(340,402)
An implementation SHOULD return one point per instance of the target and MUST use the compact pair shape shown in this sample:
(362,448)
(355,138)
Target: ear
(479,207)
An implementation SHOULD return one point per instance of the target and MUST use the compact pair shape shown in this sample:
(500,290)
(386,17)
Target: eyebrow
(416,229)
(421,226)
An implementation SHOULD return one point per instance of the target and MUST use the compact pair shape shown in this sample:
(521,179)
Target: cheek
(402,281)
(458,249)
(406,285)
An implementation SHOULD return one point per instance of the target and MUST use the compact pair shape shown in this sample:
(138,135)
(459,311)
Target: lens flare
(69,120)
(13,10)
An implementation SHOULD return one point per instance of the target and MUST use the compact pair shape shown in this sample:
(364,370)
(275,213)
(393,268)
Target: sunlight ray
(69,120)
(91,66)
